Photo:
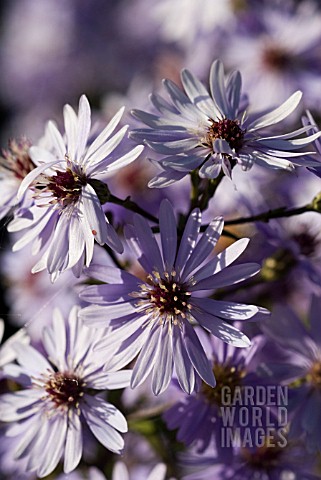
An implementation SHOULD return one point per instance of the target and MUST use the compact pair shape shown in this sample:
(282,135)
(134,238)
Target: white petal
(52,446)
(73,447)
(26,182)
(278,114)
(120,472)
(102,137)
(158,472)
(106,149)
(57,141)
(83,127)
(71,125)
(32,360)
(94,214)
(121,162)
(104,433)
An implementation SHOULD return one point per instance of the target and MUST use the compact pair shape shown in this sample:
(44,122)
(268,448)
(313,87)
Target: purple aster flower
(275,459)
(15,164)
(67,215)
(211,132)
(301,369)
(60,399)
(154,317)
(199,418)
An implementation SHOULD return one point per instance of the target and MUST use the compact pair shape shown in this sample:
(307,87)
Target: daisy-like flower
(15,164)
(198,418)
(301,369)
(275,459)
(60,397)
(154,317)
(183,21)
(211,132)
(67,215)
(281,55)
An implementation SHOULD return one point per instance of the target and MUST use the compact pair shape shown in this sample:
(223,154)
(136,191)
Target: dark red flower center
(65,389)
(228,130)
(277,59)
(66,186)
(265,457)
(16,158)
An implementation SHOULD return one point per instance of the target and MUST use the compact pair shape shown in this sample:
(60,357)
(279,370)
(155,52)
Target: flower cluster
(161,301)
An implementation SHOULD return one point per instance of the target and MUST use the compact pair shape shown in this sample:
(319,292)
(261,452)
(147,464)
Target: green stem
(195,184)
(209,192)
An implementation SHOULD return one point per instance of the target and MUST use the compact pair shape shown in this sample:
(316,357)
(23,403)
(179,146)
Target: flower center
(276,58)
(226,376)
(314,375)
(16,159)
(164,296)
(66,186)
(263,457)
(228,130)
(307,243)
(65,389)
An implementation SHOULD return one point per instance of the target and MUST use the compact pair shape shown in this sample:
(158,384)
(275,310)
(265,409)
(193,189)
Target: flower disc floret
(228,130)
(65,389)
(165,296)
(227,376)
(66,186)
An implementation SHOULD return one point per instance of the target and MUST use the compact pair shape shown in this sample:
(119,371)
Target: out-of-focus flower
(155,317)
(301,370)
(7,353)
(275,459)
(120,472)
(210,132)
(60,397)
(199,418)
(32,297)
(281,55)
(183,21)
(15,164)
(294,249)
(67,215)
